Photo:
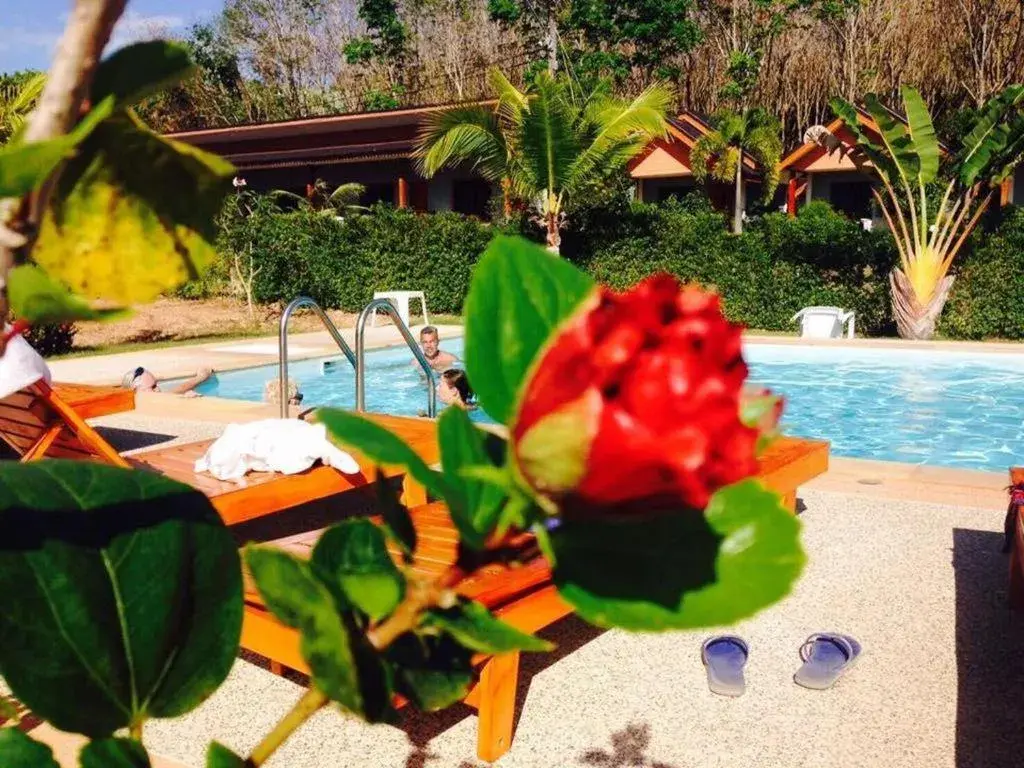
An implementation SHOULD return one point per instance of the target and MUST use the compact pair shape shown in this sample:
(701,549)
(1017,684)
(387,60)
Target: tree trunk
(912,320)
(554,237)
(737,212)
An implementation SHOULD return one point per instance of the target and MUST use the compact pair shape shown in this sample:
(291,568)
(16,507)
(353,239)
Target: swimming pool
(946,408)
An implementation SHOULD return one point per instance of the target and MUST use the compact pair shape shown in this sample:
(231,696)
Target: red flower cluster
(634,404)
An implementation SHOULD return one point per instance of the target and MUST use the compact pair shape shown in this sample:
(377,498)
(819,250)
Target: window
(471,196)
(673,191)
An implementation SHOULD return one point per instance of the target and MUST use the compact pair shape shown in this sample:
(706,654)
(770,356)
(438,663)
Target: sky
(29,29)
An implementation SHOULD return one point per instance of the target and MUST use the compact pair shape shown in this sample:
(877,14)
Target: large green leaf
(397,521)
(380,446)
(996,130)
(432,672)
(114,753)
(23,167)
(683,569)
(519,294)
(924,142)
(462,447)
(19,750)
(35,297)
(219,756)
(343,667)
(898,144)
(475,627)
(139,70)
(875,153)
(354,554)
(120,594)
(134,214)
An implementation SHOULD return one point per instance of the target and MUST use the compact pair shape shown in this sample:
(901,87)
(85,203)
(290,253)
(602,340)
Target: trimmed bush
(49,340)
(987,300)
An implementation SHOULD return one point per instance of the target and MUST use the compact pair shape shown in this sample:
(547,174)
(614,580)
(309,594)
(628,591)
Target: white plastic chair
(400,300)
(824,322)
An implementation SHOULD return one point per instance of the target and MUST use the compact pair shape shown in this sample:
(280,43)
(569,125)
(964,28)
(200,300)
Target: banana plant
(905,158)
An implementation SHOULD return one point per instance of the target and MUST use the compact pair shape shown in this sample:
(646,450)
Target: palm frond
(706,153)
(547,140)
(764,145)
(462,135)
(347,194)
(512,103)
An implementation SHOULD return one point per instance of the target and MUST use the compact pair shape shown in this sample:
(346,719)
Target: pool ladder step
(358,358)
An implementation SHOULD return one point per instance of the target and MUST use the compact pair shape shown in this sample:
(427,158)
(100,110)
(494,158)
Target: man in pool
(439,360)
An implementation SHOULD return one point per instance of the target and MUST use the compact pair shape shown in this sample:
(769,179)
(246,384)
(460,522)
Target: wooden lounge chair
(1015,538)
(38,422)
(523,596)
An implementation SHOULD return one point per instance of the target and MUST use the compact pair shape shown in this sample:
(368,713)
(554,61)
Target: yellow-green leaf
(34,296)
(133,217)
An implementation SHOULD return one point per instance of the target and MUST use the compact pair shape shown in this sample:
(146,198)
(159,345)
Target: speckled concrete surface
(940,684)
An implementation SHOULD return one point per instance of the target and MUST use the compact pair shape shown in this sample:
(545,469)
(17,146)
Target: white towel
(288,446)
(21,366)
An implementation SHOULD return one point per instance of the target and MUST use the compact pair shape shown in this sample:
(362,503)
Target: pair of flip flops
(825,655)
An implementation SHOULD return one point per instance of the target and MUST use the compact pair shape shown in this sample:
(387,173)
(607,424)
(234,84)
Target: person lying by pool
(142,380)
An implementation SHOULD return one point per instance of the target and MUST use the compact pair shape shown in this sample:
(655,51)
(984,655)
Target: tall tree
(720,154)
(544,143)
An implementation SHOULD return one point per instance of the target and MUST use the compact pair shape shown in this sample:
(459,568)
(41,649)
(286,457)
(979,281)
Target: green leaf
(519,294)
(353,553)
(19,750)
(36,298)
(219,756)
(114,753)
(472,625)
(874,152)
(397,522)
(120,594)
(343,667)
(681,570)
(925,144)
(23,167)
(898,144)
(134,214)
(139,70)
(998,128)
(381,446)
(432,672)
(462,446)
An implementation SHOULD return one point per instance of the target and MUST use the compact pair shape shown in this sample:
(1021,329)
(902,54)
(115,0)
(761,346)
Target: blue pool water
(946,408)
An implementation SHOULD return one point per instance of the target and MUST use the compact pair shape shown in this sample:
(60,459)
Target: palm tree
(719,154)
(905,158)
(343,199)
(545,143)
(16,101)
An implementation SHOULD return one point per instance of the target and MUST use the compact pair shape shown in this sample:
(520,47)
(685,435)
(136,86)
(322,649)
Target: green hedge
(987,300)
(776,267)
(341,263)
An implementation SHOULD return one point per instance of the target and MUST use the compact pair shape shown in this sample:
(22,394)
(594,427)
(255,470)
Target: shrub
(50,340)
(986,300)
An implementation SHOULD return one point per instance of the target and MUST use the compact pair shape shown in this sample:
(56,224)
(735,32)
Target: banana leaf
(924,142)
(875,153)
(898,143)
(991,143)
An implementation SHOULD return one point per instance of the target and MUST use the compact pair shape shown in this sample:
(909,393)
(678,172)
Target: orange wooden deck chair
(38,422)
(523,596)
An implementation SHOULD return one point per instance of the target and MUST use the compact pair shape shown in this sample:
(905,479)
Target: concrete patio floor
(922,585)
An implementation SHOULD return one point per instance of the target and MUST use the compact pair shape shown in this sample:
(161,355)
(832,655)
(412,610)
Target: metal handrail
(360,362)
(282,344)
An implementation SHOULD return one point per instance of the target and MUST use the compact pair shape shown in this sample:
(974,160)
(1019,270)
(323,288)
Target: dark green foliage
(341,263)
(49,340)
(986,299)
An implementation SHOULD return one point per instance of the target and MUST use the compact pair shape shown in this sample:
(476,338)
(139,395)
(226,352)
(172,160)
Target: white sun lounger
(824,322)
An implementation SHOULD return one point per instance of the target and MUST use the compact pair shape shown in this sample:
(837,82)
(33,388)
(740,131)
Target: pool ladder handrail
(282,344)
(369,311)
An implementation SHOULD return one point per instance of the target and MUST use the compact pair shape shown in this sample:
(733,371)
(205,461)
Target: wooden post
(1006,191)
(497,707)
(403,192)
(791,196)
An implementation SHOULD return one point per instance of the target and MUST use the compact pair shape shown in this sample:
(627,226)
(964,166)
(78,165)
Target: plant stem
(310,703)
(419,596)
(135,730)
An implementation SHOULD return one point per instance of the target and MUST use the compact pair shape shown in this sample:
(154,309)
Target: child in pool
(453,389)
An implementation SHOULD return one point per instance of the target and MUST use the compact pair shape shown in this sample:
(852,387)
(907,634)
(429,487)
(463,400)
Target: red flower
(634,404)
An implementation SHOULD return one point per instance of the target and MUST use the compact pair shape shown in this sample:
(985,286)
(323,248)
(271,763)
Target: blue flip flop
(724,656)
(826,656)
